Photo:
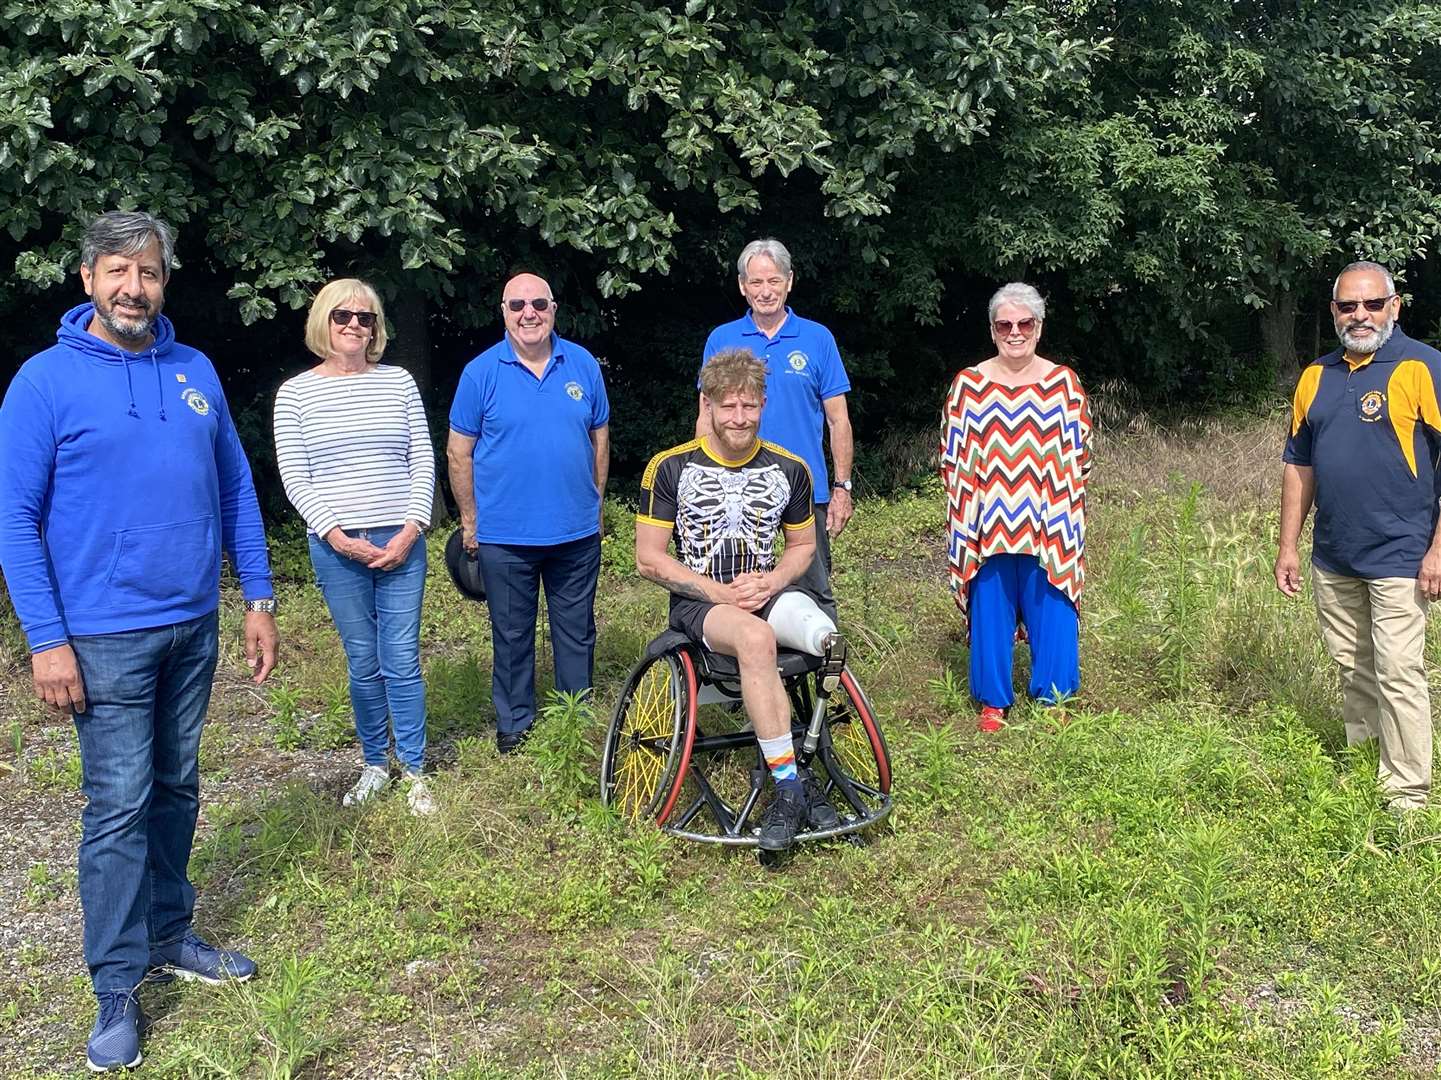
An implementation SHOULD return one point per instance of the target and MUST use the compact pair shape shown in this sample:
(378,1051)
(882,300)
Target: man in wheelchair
(724,497)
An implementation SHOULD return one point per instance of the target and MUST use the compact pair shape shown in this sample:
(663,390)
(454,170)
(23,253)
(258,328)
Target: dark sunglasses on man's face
(1345,307)
(540,303)
(341,317)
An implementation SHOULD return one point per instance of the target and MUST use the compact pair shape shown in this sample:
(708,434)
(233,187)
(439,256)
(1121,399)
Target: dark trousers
(513,575)
(817,578)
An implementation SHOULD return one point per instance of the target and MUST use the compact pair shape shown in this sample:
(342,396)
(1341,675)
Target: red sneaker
(991,719)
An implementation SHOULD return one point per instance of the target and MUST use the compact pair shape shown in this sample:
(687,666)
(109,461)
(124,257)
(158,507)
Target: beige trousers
(1375,630)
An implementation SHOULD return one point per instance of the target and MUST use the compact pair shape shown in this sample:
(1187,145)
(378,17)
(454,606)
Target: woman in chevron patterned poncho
(1015,453)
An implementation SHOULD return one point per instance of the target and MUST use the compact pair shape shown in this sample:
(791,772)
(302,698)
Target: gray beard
(1383,335)
(126,329)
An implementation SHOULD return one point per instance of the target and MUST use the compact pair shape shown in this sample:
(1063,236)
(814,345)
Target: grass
(1191,876)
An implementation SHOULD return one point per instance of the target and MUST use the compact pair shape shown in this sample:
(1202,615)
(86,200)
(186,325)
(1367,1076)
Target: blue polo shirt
(534,462)
(1372,433)
(803,368)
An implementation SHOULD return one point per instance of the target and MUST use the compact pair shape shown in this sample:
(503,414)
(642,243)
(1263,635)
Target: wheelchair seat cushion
(718,666)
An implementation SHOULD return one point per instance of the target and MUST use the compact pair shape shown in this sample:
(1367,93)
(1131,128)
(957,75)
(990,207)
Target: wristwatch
(844,485)
(265,607)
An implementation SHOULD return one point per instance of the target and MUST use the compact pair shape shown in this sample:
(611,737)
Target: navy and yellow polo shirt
(1372,433)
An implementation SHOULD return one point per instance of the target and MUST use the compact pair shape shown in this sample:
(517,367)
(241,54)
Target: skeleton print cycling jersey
(726,514)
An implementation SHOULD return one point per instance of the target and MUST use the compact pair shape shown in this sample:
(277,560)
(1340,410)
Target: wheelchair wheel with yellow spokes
(648,745)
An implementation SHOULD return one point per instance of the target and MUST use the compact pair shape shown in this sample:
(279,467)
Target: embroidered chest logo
(574,390)
(797,360)
(196,400)
(1371,404)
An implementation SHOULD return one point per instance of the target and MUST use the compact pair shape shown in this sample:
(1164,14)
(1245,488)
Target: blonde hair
(733,371)
(333,295)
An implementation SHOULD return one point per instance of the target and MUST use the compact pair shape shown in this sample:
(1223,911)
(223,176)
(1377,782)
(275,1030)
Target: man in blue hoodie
(122,480)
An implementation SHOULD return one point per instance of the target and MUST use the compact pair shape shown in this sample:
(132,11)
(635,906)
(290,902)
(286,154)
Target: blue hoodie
(121,479)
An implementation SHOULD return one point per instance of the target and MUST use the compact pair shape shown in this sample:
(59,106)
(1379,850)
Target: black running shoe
(783,818)
(820,814)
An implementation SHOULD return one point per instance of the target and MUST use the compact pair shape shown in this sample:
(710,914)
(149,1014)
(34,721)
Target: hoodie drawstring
(159,386)
(130,386)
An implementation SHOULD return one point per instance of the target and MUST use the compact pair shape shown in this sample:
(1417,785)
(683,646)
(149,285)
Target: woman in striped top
(355,457)
(1015,454)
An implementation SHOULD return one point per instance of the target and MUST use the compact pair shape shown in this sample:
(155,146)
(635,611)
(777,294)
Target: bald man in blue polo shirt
(529,452)
(1365,447)
(806,387)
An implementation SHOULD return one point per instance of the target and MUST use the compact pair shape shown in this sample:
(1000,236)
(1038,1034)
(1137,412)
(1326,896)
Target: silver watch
(265,607)
(844,485)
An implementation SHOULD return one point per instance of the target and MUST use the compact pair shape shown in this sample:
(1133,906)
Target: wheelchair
(680,752)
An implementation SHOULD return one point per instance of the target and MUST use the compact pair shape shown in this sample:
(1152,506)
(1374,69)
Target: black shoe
(783,818)
(820,814)
(508,742)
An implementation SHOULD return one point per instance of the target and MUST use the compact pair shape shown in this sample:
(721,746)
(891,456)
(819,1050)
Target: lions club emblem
(797,360)
(574,390)
(1370,405)
(196,400)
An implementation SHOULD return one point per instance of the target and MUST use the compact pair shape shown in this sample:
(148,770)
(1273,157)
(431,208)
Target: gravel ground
(40,935)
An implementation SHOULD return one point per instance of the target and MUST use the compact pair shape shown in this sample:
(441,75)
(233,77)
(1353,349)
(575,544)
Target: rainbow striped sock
(780,755)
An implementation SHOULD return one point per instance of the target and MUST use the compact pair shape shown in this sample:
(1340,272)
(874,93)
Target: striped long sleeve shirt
(354,450)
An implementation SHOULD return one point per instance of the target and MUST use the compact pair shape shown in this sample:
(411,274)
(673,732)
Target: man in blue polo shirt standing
(1365,446)
(529,451)
(806,386)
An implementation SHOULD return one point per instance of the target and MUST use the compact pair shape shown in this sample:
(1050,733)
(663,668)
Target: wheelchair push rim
(648,744)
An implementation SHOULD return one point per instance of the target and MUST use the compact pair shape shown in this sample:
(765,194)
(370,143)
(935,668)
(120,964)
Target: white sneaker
(374,779)
(418,796)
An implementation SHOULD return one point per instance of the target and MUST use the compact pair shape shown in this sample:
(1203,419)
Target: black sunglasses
(1378,303)
(341,317)
(540,303)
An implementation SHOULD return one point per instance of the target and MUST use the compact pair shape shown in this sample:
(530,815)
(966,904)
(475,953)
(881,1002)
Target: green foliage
(276,127)
(563,745)
(285,720)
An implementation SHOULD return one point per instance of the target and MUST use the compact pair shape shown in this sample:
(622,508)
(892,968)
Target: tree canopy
(1165,171)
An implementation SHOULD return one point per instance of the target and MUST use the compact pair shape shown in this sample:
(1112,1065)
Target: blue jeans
(146,692)
(513,574)
(1011,586)
(378,615)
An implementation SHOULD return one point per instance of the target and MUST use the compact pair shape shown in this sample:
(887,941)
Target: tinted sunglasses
(341,317)
(1024,327)
(1345,307)
(540,303)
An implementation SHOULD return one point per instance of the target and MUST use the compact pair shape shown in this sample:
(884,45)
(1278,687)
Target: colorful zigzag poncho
(1014,462)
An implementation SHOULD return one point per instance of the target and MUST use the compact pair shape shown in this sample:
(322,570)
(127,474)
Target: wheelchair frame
(655,746)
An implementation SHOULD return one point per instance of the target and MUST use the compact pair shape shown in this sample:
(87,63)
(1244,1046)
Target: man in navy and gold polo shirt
(1365,446)
(529,451)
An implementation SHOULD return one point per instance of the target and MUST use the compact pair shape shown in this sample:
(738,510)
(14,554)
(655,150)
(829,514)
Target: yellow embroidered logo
(574,390)
(196,400)
(797,360)
(1370,405)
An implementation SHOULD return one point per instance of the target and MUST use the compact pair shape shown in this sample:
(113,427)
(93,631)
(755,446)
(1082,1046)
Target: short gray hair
(125,232)
(1364,264)
(773,250)
(1017,292)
